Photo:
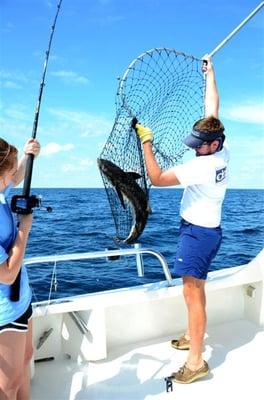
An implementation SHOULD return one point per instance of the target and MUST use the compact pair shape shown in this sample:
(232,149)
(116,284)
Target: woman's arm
(10,268)
(31,147)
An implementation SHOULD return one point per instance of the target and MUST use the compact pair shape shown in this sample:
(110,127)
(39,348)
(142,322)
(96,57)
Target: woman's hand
(32,146)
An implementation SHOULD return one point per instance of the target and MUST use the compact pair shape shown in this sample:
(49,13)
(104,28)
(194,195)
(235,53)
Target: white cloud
(251,113)
(53,148)
(107,20)
(17,113)
(12,80)
(16,123)
(49,4)
(13,76)
(85,124)
(10,85)
(71,77)
(7,26)
(79,166)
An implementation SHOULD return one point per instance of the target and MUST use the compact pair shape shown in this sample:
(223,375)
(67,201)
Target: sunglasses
(203,144)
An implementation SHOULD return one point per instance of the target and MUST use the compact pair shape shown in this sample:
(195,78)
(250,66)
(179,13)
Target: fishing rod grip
(15,288)
(28,175)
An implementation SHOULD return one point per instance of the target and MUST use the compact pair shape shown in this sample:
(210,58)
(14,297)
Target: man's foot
(186,375)
(182,343)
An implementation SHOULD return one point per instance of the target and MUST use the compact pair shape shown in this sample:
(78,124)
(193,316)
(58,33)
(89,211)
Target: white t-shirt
(205,181)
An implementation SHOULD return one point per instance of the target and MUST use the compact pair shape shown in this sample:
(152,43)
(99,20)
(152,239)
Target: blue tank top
(10,310)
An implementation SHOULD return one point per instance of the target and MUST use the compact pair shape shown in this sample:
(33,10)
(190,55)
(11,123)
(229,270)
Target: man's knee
(193,290)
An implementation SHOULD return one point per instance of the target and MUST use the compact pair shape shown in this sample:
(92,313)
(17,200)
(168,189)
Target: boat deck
(234,351)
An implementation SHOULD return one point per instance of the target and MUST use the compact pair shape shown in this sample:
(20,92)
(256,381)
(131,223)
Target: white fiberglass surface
(234,351)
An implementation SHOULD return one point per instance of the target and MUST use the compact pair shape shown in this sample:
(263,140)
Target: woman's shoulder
(8,188)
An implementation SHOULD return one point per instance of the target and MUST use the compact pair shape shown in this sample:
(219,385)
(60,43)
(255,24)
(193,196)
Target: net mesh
(164,90)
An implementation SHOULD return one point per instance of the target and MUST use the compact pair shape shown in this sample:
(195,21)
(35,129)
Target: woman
(15,324)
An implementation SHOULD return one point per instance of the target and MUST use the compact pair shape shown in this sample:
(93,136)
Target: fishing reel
(23,204)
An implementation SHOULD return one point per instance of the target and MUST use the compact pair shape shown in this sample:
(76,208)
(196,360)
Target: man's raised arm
(211,101)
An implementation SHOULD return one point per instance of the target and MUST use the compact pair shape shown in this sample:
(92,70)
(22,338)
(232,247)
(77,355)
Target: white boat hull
(115,344)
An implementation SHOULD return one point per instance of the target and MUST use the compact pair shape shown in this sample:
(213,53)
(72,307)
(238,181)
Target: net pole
(237,29)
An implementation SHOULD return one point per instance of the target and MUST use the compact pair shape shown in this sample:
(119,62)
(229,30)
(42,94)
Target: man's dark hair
(208,124)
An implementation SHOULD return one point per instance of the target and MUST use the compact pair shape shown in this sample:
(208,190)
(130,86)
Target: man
(204,179)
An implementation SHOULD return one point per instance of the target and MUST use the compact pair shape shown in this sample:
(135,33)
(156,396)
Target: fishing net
(164,90)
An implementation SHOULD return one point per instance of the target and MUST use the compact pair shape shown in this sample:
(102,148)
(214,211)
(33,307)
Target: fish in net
(164,90)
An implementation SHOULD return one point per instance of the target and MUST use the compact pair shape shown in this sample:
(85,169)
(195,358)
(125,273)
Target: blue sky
(94,42)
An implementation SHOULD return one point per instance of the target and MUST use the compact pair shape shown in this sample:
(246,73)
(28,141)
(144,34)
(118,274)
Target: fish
(128,191)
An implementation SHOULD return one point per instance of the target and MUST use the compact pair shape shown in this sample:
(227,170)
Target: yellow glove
(144,133)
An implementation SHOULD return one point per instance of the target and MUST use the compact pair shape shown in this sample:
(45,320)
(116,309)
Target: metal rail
(103,254)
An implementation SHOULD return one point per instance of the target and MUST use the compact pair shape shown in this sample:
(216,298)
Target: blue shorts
(196,249)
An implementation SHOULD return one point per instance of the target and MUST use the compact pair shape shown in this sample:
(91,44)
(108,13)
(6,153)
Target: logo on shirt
(220,175)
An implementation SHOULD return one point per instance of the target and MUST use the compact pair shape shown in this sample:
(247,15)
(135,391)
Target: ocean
(81,221)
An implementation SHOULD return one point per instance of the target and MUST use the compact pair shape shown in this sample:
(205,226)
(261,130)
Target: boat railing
(112,254)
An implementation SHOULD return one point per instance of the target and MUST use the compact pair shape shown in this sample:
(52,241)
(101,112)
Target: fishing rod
(23,204)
